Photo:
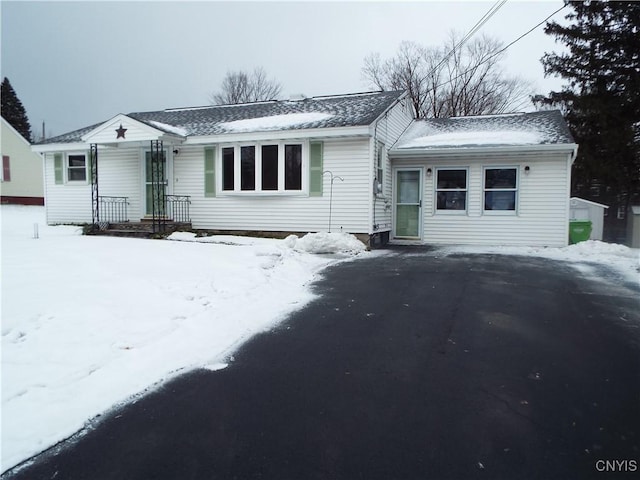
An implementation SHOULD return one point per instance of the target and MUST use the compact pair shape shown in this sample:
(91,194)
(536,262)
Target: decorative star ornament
(120,131)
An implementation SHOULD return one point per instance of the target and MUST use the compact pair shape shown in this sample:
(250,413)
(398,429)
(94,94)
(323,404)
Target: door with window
(154,171)
(408,204)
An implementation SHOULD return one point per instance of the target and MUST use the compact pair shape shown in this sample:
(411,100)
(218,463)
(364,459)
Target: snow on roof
(499,137)
(589,202)
(274,122)
(349,110)
(537,128)
(169,128)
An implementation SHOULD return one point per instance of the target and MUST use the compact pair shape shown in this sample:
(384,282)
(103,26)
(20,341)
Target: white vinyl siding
(65,203)
(348,159)
(541,217)
(388,130)
(118,175)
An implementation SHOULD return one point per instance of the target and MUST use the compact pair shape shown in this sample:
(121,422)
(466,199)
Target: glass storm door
(151,174)
(408,203)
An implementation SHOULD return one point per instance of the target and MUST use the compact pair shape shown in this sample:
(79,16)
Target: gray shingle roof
(317,112)
(535,128)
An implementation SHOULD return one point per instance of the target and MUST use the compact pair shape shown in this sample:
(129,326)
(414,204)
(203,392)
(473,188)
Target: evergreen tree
(13,111)
(602,100)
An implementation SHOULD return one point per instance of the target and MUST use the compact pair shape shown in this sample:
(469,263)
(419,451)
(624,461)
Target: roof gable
(122,129)
(14,131)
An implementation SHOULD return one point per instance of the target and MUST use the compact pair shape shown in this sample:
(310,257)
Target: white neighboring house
(287,166)
(594,212)
(492,180)
(21,174)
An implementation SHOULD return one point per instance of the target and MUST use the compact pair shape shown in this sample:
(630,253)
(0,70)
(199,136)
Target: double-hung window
(500,189)
(228,168)
(264,167)
(293,166)
(269,167)
(248,167)
(451,190)
(380,167)
(77,168)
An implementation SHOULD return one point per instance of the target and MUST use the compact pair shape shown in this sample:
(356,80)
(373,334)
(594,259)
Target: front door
(155,172)
(408,204)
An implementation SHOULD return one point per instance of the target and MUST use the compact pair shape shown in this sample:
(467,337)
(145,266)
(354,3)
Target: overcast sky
(74,64)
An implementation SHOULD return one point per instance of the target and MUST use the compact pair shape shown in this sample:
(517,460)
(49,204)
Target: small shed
(633,226)
(582,210)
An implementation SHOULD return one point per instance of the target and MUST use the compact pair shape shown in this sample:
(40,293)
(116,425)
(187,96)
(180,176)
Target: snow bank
(324,242)
(622,260)
(321,242)
(88,322)
(223,239)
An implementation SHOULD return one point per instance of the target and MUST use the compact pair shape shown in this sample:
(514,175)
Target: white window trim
(66,168)
(304,191)
(436,190)
(513,212)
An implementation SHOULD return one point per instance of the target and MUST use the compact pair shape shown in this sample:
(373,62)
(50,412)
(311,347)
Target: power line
(499,51)
(490,13)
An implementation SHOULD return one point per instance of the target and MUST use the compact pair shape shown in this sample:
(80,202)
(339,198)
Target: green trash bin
(579,231)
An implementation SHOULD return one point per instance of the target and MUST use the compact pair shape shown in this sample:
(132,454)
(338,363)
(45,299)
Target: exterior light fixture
(527,169)
(429,171)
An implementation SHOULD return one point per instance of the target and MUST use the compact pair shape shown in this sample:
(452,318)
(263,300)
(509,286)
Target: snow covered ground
(89,322)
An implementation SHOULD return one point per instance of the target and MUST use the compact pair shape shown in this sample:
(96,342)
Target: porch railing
(113,209)
(178,208)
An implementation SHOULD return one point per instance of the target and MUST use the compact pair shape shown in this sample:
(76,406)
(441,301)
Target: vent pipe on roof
(297,97)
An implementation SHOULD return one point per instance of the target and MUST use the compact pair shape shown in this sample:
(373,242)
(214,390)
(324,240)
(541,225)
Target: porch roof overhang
(121,131)
(482,151)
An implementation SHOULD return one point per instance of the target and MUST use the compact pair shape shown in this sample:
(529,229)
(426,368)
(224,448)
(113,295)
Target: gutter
(422,152)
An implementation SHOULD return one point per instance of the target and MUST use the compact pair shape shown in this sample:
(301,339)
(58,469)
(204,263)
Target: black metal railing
(113,209)
(178,208)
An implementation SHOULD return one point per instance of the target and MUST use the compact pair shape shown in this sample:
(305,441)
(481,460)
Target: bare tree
(243,87)
(452,80)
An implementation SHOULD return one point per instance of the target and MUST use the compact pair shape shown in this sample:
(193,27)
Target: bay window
(268,167)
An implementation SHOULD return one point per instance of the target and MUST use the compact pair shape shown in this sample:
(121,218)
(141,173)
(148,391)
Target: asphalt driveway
(408,366)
